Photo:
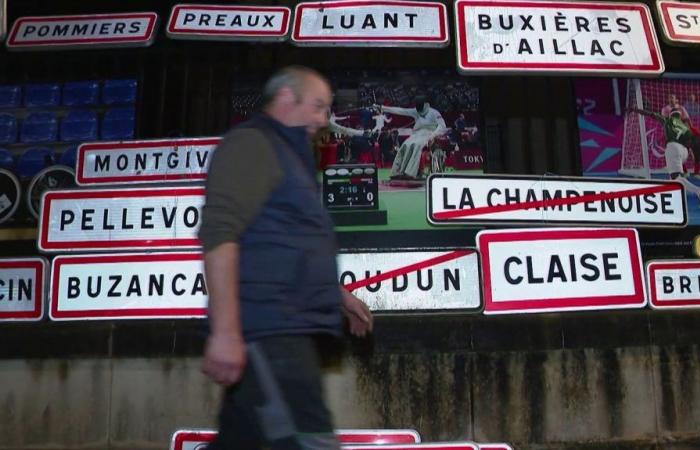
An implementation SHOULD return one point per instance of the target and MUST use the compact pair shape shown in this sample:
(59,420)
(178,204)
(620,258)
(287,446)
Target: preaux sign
(397,23)
(539,270)
(22,289)
(85,31)
(479,199)
(556,37)
(120,219)
(229,22)
(128,286)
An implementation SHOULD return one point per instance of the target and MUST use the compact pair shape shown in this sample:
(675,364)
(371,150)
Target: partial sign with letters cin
(680,21)
(477,199)
(674,284)
(556,37)
(376,23)
(85,31)
(144,161)
(229,22)
(539,270)
(413,280)
(22,289)
(128,286)
(120,219)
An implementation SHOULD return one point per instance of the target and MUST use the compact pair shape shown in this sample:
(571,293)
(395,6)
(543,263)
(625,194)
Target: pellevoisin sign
(229,22)
(124,219)
(371,23)
(505,36)
(83,31)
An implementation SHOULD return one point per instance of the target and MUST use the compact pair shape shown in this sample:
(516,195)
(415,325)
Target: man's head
(692,98)
(672,99)
(298,97)
(422,105)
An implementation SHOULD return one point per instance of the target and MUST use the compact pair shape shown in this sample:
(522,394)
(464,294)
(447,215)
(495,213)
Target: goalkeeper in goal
(680,136)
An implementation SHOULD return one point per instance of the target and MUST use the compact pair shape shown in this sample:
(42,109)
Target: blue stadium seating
(10,96)
(69,157)
(33,160)
(119,92)
(118,123)
(42,95)
(6,160)
(8,129)
(81,93)
(39,127)
(79,125)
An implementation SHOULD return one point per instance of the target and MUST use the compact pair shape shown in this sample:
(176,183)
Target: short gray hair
(293,77)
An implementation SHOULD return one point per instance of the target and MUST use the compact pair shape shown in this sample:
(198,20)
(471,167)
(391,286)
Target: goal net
(644,143)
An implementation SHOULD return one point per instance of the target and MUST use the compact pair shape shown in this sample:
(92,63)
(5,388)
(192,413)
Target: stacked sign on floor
(402,439)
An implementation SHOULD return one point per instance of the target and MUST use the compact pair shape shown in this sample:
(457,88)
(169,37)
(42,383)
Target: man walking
(271,273)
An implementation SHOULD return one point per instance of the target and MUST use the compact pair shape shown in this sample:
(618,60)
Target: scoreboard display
(349,187)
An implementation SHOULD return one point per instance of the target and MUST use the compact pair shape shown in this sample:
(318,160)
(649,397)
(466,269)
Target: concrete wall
(628,380)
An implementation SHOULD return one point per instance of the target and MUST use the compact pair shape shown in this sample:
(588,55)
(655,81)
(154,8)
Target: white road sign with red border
(674,284)
(413,280)
(505,36)
(197,439)
(371,23)
(431,446)
(83,31)
(128,286)
(489,199)
(500,446)
(132,162)
(124,219)
(229,22)
(680,21)
(22,289)
(561,269)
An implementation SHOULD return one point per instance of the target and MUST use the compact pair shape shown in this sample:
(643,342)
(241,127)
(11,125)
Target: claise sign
(541,270)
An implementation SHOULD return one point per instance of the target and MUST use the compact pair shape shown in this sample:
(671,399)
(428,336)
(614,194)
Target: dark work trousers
(278,404)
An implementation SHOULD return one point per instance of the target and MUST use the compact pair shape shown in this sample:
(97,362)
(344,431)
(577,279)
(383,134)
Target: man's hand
(224,358)
(358,314)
